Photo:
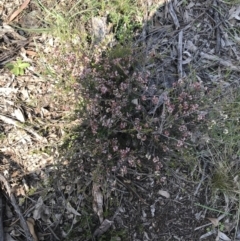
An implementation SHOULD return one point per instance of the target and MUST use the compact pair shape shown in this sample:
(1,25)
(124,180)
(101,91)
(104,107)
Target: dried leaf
(223,236)
(19,115)
(234,13)
(97,201)
(207,234)
(145,236)
(18,190)
(106,224)
(191,47)
(72,210)
(190,5)
(15,173)
(31,223)
(214,221)
(31,53)
(135,101)
(41,211)
(16,13)
(153,210)
(7,91)
(187,61)
(38,207)
(164,193)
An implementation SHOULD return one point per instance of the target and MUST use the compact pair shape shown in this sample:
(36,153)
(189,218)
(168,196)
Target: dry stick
(1,220)
(132,190)
(217,20)
(16,208)
(180,70)
(173,14)
(225,63)
(202,179)
(51,230)
(166,8)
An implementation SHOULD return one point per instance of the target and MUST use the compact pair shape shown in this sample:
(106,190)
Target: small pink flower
(163,179)
(197,86)
(123,86)
(155,159)
(123,125)
(124,170)
(179,143)
(180,81)
(182,96)
(115,148)
(182,128)
(155,100)
(201,116)
(185,105)
(165,148)
(170,108)
(166,133)
(104,89)
(194,107)
(138,107)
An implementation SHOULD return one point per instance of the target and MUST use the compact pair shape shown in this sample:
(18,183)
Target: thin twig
(216,19)
(16,208)
(173,15)
(1,220)
(131,189)
(202,179)
(51,230)
(180,70)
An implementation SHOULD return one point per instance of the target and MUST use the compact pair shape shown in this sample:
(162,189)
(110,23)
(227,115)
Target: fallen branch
(225,63)
(16,208)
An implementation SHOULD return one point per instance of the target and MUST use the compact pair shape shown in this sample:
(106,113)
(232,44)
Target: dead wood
(173,15)
(223,62)
(16,208)
(180,70)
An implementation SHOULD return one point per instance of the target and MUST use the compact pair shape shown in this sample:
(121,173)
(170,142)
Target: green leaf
(23,65)
(18,67)
(10,66)
(21,72)
(15,71)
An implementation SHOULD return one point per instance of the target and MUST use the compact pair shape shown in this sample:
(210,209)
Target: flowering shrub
(126,124)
